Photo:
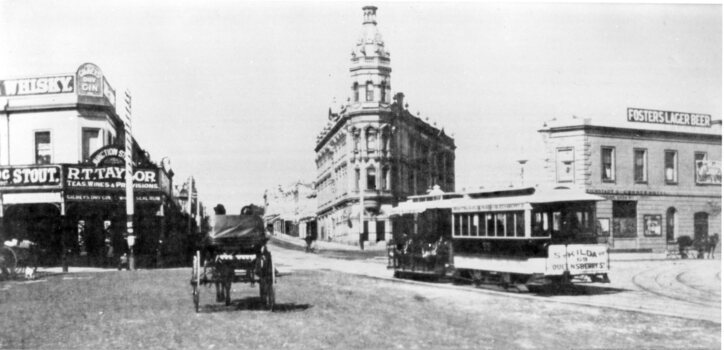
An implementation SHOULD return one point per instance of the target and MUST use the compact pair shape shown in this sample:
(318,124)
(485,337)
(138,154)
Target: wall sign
(90,80)
(652,116)
(57,84)
(708,172)
(33,176)
(652,225)
(109,155)
(112,177)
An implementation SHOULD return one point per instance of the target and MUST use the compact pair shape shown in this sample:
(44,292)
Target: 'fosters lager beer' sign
(670,118)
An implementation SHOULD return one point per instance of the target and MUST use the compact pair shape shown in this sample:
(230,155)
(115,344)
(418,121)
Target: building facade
(373,152)
(290,209)
(62,171)
(659,171)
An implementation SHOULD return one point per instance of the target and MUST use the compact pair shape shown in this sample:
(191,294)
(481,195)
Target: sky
(235,92)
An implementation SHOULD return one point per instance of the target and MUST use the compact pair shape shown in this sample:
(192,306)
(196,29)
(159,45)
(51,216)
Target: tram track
(717,296)
(642,286)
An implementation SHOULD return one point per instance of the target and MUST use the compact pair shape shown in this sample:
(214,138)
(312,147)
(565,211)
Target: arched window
(371,179)
(371,140)
(385,179)
(355,91)
(383,92)
(670,224)
(370,91)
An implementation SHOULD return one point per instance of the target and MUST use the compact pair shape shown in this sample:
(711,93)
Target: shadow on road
(576,289)
(252,304)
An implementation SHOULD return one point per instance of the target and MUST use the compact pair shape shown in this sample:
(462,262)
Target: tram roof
(496,200)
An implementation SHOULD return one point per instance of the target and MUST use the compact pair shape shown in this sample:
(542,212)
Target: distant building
(373,152)
(659,171)
(290,209)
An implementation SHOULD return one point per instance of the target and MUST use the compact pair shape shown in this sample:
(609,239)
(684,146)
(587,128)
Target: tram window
(509,224)
(490,224)
(519,224)
(474,226)
(540,224)
(556,221)
(500,224)
(456,224)
(465,224)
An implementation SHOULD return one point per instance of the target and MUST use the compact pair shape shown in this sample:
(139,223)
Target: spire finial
(369,14)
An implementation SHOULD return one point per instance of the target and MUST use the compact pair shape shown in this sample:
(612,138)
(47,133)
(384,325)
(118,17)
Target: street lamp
(522,171)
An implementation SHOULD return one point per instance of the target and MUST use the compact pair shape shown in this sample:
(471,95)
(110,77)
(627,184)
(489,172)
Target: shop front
(75,213)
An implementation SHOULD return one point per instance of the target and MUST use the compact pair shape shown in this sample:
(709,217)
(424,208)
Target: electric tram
(514,237)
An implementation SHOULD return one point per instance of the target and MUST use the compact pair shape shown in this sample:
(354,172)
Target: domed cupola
(370,69)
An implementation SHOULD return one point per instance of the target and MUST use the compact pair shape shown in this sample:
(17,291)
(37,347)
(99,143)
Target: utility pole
(522,171)
(129,180)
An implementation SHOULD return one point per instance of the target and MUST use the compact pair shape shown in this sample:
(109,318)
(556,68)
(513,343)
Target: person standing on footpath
(109,253)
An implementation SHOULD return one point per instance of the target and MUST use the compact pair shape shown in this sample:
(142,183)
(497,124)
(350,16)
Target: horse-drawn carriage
(18,259)
(234,251)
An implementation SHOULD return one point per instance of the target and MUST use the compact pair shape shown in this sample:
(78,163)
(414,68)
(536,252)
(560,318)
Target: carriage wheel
(266,281)
(195,280)
(8,263)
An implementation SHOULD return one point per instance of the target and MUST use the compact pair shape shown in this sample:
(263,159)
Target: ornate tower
(373,152)
(370,69)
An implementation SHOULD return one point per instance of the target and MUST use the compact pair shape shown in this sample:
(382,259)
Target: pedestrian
(308,239)
(361,241)
(712,244)
(108,244)
(700,243)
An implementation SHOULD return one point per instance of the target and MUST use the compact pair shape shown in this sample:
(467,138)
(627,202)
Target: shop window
(564,165)
(670,167)
(608,164)
(371,179)
(370,92)
(624,218)
(708,172)
(91,142)
(43,148)
(640,165)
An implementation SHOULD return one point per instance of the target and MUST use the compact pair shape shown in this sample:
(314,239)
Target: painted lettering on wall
(652,116)
(30,176)
(37,86)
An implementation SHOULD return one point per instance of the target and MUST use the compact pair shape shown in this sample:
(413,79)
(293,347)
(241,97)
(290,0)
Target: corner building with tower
(373,153)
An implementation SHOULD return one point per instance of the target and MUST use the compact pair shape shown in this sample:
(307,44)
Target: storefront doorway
(701,226)
(670,224)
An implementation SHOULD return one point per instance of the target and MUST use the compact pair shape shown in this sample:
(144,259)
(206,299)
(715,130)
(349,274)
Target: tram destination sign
(30,176)
(652,116)
(577,259)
